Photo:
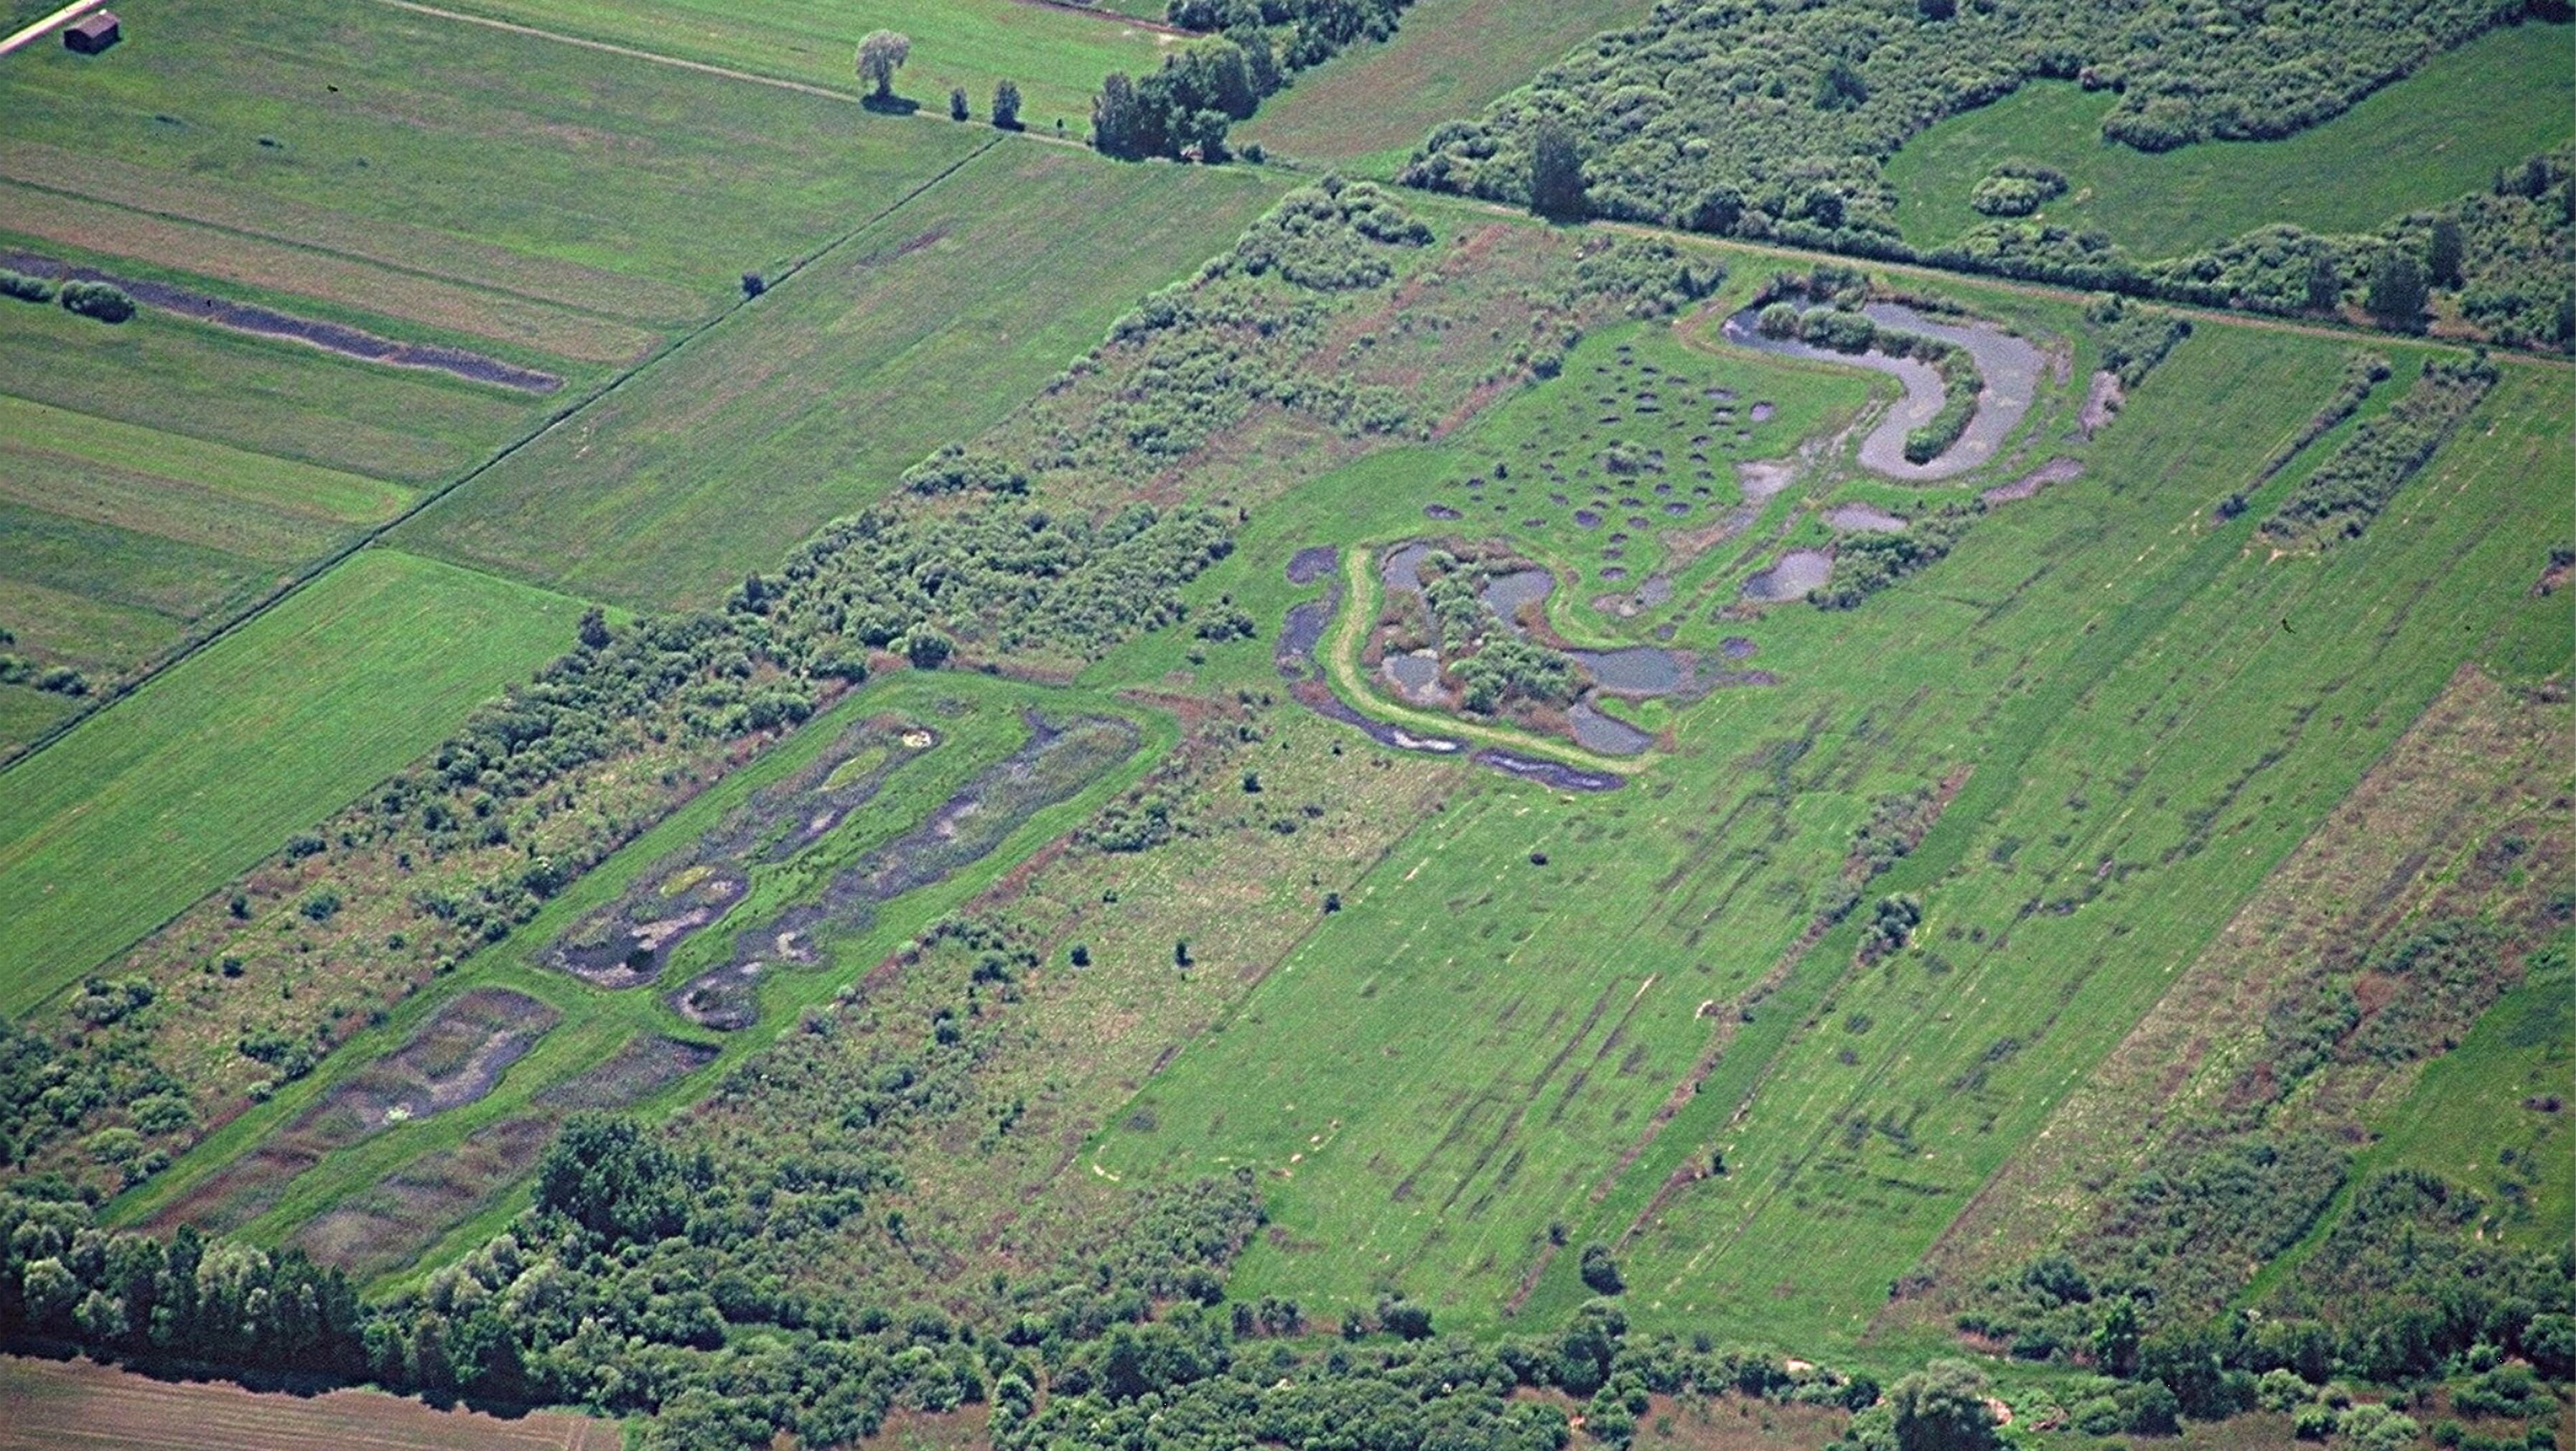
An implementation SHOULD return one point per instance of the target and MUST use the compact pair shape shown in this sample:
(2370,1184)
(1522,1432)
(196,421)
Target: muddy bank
(1863,519)
(1607,734)
(2102,400)
(2055,471)
(2011,367)
(454,1059)
(331,337)
(1318,561)
(1553,774)
(647,1062)
(1301,635)
(628,943)
(1055,764)
(1797,572)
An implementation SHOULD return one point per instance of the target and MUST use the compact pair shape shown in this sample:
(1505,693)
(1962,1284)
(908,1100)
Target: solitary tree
(2442,253)
(1556,172)
(2396,295)
(957,103)
(1006,105)
(880,54)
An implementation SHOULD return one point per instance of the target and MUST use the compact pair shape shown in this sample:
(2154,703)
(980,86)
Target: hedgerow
(2349,489)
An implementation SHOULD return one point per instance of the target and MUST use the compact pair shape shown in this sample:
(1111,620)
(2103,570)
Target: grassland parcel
(2441,132)
(1055,55)
(406,426)
(53,1404)
(1449,60)
(121,540)
(1851,1147)
(593,182)
(253,269)
(805,406)
(2390,853)
(1438,1165)
(144,808)
(384,1192)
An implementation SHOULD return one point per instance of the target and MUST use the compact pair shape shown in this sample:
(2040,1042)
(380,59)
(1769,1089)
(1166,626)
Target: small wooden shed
(91,34)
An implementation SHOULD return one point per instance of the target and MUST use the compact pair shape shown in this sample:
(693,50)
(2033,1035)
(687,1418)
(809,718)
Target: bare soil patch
(53,1404)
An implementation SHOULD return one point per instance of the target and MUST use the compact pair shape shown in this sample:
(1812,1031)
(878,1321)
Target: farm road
(63,16)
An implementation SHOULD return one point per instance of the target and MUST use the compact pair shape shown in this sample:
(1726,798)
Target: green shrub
(104,301)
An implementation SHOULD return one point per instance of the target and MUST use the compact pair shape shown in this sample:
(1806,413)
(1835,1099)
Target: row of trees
(883,52)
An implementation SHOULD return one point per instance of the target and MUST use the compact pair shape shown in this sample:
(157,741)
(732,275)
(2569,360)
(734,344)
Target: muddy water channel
(1302,634)
(1056,764)
(627,943)
(2011,366)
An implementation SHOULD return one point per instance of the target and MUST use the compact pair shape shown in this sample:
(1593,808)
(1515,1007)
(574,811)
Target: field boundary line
(315,249)
(376,535)
(63,16)
(2218,316)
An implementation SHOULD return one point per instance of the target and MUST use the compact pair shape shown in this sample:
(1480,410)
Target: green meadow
(1650,960)
(1055,56)
(2445,130)
(496,160)
(1450,58)
(809,403)
(149,805)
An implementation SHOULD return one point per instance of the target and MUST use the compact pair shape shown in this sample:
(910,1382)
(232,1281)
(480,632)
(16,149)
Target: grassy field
(1448,60)
(1652,960)
(808,404)
(407,426)
(2443,131)
(2477,1115)
(1056,56)
(569,179)
(62,1403)
(150,805)
(123,539)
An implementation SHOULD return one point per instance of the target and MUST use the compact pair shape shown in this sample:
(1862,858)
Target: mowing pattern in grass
(1577,947)
(1450,58)
(53,1404)
(2379,860)
(809,403)
(2442,132)
(479,157)
(120,540)
(146,807)
(1056,56)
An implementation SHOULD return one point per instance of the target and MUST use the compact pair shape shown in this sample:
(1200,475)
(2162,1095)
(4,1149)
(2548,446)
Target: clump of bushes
(2134,340)
(2348,490)
(104,301)
(2017,189)
(25,288)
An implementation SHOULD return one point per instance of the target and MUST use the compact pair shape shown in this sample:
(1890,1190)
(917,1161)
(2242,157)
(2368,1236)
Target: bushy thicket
(2016,189)
(1494,667)
(25,288)
(2516,247)
(1772,124)
(104,301)
(2134,339)
(1184,108)
(1749,118)
(2349,489)
(2402,1283)
(1864,564)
